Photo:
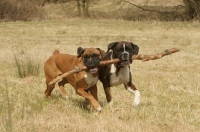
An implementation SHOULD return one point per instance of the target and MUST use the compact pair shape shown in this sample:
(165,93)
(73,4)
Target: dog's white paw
(136,101)
(99,109)
(110,103)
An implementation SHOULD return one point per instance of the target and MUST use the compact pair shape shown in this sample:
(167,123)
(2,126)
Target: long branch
(142,57)
(75,69)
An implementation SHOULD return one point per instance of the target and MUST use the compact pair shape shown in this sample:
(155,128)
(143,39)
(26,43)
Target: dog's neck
(115,68)
(118,74)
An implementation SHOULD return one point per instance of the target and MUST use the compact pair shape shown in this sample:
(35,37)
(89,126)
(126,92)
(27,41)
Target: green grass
(170,88)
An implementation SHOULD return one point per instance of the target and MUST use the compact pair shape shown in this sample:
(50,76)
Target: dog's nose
(91,60)
(125,56)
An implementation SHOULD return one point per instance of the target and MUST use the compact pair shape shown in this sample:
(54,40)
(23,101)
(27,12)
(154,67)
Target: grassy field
(170,87)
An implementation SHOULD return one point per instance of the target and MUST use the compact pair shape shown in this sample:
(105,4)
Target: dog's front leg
(90,97)
(108,95)
(132,89)
(107,91)
(93,91)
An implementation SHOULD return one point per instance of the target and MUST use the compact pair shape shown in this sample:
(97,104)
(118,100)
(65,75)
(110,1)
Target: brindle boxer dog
(119,73)
(83,81)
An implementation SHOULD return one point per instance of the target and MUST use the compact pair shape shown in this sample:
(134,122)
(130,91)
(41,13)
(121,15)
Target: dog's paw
(136,101)
(135,104)
(99,109)
(49,97)
(110,103)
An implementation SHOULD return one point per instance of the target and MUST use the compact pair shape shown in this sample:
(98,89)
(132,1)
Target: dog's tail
(56,52)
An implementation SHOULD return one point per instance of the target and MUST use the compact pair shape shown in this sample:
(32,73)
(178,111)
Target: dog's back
(55,65)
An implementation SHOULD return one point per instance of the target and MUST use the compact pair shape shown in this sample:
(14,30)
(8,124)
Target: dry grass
(21,10)
(170,87)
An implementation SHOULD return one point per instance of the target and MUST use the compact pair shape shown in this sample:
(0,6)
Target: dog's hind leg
(62,88)
(132,89)
(49,89)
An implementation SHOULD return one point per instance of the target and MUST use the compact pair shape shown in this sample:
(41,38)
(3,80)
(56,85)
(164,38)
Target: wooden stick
(142,57)
(75,69)
(154,57)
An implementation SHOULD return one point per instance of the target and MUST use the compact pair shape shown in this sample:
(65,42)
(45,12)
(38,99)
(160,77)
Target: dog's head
(91,58)
(124,51)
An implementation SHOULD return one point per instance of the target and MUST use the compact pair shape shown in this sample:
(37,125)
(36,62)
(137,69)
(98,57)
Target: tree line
(192,8)
(27,10)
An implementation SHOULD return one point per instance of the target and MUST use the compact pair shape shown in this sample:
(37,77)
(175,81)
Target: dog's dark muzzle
(92,65)
(125,59)
(125,56)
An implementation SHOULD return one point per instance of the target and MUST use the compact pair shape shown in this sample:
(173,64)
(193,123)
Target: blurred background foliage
(162,10)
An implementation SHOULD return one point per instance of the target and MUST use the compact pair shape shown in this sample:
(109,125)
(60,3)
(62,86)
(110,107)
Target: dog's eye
(95,55)
(128,49)
(121,49)
(86,56)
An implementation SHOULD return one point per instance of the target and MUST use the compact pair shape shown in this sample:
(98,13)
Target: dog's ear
(102,52)
(80,51)
(136,49)
(111,46)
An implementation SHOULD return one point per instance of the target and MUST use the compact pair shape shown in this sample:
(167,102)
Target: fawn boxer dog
(119,73)
(83,81)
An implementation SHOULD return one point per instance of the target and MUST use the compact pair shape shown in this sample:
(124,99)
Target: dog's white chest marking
(122,77)
(113,69)
(91,80)
(123,74)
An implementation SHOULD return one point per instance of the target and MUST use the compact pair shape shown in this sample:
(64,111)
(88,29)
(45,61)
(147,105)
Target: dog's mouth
(125,63)
(93,70)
